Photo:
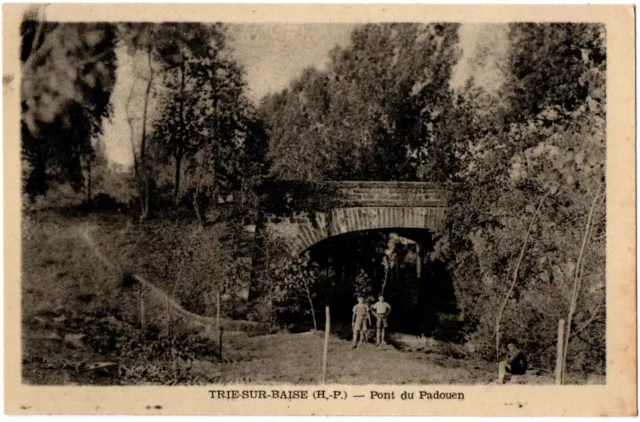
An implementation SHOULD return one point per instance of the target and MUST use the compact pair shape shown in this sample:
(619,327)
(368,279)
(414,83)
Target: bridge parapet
(389,194)
(288,197)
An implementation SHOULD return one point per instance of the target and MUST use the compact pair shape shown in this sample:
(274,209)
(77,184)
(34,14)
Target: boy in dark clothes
(515,364)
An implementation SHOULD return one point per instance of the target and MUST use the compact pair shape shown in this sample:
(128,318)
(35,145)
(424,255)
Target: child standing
(359,321)
(381,309)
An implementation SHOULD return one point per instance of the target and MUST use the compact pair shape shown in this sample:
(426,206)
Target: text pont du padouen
(332,395)
(412,395)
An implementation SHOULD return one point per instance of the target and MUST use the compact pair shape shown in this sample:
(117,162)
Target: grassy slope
(70,288)
(63,275)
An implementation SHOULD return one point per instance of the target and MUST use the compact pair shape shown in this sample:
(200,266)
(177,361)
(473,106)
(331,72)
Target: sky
(275,54)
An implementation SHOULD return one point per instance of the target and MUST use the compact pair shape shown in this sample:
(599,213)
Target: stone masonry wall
(365,206)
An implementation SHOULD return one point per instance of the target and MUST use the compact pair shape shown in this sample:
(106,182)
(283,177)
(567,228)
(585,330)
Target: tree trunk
(143,143)
(203,166)
(181,136)
(220,343)
(89,182)
(386,274)
(577,280)
(145,211)
(141,293)
(515,276)
(136,165)
(313,311)
(168,317)
(176,187)
(147,93)
(241,191)
(196,194)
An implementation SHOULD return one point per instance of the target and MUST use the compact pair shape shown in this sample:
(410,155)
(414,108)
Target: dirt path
(297,358)
(85,234)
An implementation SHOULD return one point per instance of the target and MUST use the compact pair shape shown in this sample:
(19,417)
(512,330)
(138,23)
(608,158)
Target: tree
(546,159)
(295,120)
(300,276)
(201,106)
(232,128)
(68,74)
(187,50)
(141,37)
(547,65)
(379,112)
(363,285)
(96,167)
(205,263)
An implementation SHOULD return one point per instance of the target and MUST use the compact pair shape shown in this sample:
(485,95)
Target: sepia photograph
(216,203)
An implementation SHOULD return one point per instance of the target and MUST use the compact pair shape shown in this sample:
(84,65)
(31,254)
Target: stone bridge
(356,206)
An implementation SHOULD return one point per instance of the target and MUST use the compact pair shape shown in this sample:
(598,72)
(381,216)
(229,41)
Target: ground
(297,358)
(282,358)
(81,326)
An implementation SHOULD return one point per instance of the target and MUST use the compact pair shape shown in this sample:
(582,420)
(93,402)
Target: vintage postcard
(319,209)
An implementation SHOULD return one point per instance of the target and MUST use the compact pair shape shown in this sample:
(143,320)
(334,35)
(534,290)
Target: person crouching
(514,364)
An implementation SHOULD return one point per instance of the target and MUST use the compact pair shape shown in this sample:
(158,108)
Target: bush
(235,307)
(106,202)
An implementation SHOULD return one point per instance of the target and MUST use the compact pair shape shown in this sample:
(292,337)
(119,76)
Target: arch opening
(392,261)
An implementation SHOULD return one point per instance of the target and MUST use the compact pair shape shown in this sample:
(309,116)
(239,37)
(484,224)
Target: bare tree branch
(594,314)
(577,282)
(515,274)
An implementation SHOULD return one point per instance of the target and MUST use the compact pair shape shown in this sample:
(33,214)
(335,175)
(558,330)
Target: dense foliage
(68,74)
(378,113)
(527,237)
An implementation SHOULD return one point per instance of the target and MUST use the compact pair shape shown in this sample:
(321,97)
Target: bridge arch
(300,233)
(360,206)
(412,210)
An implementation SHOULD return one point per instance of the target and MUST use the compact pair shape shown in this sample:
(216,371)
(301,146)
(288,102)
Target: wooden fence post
(418,262)
(218,311)
(560,352)
(218,325)
(327,330)
(168,317)
(141,309)
(220,341)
